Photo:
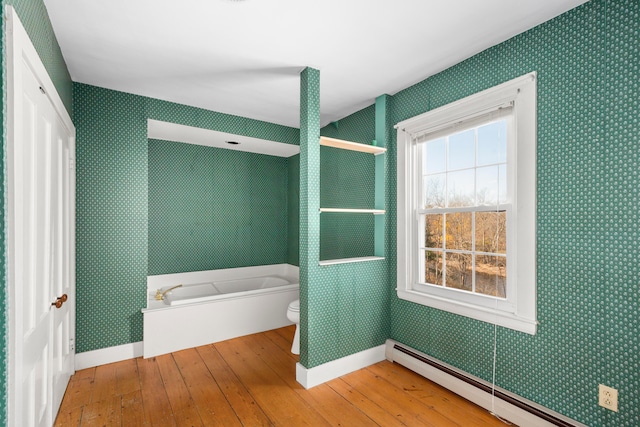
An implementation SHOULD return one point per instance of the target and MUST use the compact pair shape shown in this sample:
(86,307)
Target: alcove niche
(219,200)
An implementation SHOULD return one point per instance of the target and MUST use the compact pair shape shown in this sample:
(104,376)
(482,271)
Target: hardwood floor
(250,381)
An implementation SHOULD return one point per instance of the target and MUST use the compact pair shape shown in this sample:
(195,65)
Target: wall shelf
(341,247)
(372,211)
(353,146)
(350,260)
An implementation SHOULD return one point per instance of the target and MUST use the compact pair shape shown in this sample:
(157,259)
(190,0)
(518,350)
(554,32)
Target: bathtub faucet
(160,294)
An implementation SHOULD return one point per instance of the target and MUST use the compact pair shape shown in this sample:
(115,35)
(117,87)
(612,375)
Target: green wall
(344,307)
(212,208)
(347,180)
(293,210)
(587,217)
(588,164)
(4,319)
(112,199)
(34,18)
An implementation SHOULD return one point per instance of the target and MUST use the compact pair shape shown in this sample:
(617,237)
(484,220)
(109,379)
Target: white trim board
(104,356)
(157,129)
(336,368)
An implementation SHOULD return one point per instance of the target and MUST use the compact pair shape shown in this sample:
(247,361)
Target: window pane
(502,183)
(433,231)
(434,186)
(459,231)
(491,275)
(433,267)
(491,232)
(462,150)
(492,143)
(435,160)
(460,188)
(459,269)
(487,188)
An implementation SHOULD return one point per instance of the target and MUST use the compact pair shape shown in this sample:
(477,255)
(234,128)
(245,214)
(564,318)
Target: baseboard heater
(506,405)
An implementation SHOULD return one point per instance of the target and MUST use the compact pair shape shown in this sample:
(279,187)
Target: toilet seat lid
(294,305)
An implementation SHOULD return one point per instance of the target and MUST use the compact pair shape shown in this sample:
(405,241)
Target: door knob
(61,300)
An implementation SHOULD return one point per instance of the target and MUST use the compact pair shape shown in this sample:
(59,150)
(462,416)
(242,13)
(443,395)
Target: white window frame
(518,310)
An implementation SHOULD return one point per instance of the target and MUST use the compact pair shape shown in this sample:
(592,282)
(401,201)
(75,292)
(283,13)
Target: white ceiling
(244,57)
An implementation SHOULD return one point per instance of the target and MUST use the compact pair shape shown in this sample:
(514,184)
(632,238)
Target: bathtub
(216,305)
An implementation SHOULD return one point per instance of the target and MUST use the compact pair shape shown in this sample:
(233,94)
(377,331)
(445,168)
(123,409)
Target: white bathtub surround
(336,368)
(216,305)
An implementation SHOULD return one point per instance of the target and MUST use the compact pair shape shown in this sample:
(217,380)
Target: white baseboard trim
(103,356)
(339,367)
(461,383)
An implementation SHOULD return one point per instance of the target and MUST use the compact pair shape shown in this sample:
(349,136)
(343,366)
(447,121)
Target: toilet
(293,314)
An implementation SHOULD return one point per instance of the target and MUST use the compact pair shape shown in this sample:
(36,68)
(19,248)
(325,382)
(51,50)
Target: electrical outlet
(608,397)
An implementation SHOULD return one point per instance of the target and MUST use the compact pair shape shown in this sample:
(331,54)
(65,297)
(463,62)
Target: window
(466,206)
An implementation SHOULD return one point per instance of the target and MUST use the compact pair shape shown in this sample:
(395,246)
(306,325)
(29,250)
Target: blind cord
(495,334)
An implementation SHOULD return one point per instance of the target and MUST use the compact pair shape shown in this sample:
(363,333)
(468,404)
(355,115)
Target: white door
(62,231)
(40,234)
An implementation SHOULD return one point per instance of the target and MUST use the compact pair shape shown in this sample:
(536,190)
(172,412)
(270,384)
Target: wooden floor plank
(127,379)
(250,381)
(274,396)
(283,341)
(364,404)
(442,400)
(69,417)
(212,405)
(286,332)
(189,417)
(156,407)
(184,409)
(336,409)
(329,404)
(393,399)
(245,407)
(132,409)
(274,357)
(105,412)
(104,386)
(79,390)
(176,389)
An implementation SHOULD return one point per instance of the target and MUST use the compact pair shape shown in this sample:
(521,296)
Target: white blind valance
(436,128)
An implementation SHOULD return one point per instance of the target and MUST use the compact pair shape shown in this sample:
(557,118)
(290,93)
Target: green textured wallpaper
(293,210)
(34,18)
(33,15)
(587,245)
(588,239)
(211,208)
(346,235)
(357,127)
(344,307)
(309,206)
(111,216)
(347,180)
(112,204)
(4,320)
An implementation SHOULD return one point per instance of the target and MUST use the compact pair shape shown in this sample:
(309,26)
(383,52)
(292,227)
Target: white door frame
(19,48)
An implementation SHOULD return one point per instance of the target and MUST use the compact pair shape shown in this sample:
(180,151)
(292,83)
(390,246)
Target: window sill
(497,317)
